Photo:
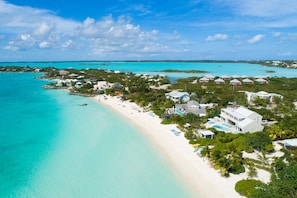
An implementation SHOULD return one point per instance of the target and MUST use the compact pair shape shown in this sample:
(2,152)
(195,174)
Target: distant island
(181,71)
(269,71)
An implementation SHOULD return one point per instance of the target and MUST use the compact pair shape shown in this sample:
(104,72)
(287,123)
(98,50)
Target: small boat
(84,104)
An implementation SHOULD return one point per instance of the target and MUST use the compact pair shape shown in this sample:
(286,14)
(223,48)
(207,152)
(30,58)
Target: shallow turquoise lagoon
(216,68)
(50,146)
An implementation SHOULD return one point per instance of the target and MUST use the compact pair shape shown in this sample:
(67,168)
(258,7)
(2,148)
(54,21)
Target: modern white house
(191,106)
(242,119)
(203,133)
(177,96)
(78,85)
(261,94)
(101,85)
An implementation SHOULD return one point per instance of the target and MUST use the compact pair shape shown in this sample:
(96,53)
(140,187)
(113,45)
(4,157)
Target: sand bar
(195,172)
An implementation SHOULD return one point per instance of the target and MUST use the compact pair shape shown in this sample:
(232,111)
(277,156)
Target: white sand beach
(195,172)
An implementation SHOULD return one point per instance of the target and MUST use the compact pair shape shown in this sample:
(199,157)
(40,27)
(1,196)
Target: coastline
(199,178)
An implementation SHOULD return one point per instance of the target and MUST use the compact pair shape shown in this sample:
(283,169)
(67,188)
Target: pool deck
(222,125)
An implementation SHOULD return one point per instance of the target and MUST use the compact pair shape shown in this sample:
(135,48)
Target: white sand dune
(196,173)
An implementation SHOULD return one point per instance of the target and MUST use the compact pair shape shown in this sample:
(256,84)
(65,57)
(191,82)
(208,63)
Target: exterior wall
(253,126)
(185,97)
(256,117)
(252,96)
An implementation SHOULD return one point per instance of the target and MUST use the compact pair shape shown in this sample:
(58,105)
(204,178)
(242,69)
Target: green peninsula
(182,71)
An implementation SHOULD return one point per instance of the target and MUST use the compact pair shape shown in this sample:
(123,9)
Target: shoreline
(195,172)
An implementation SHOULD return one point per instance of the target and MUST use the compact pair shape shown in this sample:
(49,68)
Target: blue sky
(42,30)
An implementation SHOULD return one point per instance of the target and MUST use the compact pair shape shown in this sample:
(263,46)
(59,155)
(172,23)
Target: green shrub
(249,187)
(237,169)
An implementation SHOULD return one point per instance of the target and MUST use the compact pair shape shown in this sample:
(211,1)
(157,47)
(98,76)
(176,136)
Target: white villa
(203,133)
(101,85)
(261,94)
(242,119)
(177,96)
(190,107)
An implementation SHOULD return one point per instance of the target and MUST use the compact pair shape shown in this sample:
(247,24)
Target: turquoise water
(50,146)
(216,69)
(178,111)
(221,128)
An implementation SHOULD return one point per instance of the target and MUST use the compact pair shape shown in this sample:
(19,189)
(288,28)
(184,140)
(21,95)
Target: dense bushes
(226,151)
(249,187)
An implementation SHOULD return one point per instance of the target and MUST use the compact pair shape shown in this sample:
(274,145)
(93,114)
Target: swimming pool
(178,111)
(222,128)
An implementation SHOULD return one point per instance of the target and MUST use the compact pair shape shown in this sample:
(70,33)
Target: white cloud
(256,38)
(27,27)
(25,37)
(292,36)
(264,8)
(240,36)
(141,8)
(110,36)
(68,44)
(284,54)
(254,14)
(217,37)
(43,30)
(276,34)
(44,44)
(36,28)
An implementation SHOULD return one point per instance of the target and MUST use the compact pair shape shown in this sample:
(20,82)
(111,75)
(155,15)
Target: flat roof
(289,142)
(206,132)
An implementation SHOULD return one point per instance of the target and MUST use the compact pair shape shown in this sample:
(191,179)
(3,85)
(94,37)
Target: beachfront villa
(78,85)
(177,96)
(190,107)
(263,95)
(241,119)
(203,133)
(101,85)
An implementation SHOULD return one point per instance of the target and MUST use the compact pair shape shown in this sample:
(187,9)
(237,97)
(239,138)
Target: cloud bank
(27,28)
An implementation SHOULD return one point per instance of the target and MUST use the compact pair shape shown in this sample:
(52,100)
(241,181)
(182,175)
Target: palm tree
(275,132)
